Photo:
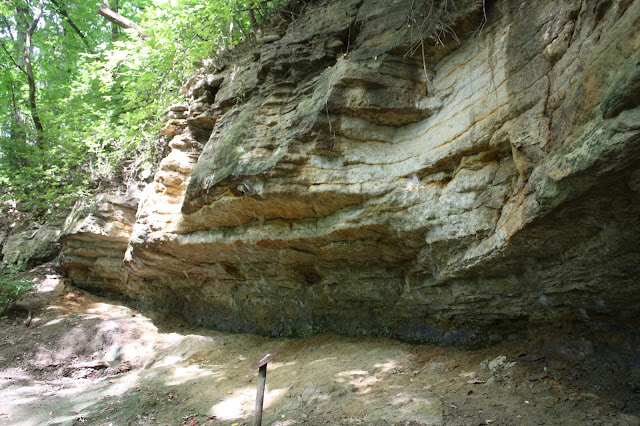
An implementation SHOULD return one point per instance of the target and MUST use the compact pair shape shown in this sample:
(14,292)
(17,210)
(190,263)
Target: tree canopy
(81,94)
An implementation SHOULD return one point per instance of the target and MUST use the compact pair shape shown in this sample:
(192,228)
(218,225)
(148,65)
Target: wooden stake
(262,382)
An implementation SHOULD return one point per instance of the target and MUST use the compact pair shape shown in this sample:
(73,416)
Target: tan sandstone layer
(345,176)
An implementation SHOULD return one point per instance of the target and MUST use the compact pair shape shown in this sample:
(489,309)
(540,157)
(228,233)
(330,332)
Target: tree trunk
(61,9)
(24,37)
(114,27)
(253,21)
(33,106)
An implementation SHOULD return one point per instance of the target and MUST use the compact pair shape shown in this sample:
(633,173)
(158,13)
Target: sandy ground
(87,360)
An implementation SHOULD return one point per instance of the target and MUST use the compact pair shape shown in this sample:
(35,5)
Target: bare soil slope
(87,360)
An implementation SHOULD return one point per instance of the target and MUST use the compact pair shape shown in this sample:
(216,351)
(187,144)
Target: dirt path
(86,360)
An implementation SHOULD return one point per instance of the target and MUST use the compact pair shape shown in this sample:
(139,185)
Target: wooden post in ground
(262,382)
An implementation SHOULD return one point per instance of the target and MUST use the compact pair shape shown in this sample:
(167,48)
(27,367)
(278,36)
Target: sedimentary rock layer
(433,171)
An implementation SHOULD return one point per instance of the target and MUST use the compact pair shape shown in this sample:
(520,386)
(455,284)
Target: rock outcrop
(31,247)
(95,238)
(450,171)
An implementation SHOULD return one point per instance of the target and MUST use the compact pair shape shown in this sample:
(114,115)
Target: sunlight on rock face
(242,403)
(413,183)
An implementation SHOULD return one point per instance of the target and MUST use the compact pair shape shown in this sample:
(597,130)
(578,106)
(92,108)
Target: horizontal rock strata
(379,169)
(95,238)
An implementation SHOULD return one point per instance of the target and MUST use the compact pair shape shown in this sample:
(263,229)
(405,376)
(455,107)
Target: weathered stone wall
(95,238)
(344,177)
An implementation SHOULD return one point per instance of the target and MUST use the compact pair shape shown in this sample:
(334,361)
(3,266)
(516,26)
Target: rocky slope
(448,172)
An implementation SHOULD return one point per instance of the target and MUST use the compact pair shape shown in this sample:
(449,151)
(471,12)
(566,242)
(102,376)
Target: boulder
(31,247)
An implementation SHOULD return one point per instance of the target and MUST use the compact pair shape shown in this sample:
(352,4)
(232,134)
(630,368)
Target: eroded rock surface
(345,177)
(96,235)
(29,247)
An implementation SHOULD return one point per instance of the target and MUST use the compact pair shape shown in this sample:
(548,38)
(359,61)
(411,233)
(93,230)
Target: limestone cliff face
(343,176)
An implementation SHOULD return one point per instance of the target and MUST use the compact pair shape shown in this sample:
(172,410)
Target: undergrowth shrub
(12,289)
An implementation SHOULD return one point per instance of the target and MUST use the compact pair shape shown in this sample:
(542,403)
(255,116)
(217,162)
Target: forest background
(81,95)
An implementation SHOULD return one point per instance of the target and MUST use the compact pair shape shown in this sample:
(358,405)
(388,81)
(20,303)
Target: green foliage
(12,289)
(100,95)
(41,171)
